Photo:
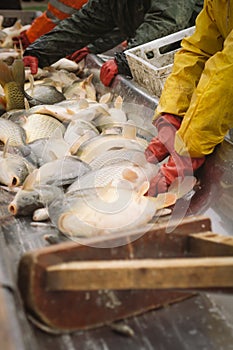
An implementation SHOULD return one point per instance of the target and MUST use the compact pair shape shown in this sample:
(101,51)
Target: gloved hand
(108,72)
(177,166)
(79,55)
(23,38)
(32,62)
(163,144)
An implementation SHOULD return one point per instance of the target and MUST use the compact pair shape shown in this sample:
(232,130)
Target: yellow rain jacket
(200,87)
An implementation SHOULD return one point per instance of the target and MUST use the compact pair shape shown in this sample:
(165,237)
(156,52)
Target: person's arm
(188,66)
(74,33)
(163,18)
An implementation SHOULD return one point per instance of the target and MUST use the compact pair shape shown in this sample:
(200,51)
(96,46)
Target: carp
(12,80)
(105,210)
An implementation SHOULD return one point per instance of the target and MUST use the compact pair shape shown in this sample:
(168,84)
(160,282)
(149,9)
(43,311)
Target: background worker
(137,21)
(195,110)
(57,10)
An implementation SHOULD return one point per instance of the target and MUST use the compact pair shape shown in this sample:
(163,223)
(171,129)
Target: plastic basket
(151,63)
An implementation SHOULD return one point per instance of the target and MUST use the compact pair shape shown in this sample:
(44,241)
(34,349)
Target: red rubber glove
(32,62)
(163,145)
(108,72)
(79,55)
(177,166)
(23,38)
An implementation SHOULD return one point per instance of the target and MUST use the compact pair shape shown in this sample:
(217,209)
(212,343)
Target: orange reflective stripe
(40,26)
(57,13)
(60,15)
(44,23)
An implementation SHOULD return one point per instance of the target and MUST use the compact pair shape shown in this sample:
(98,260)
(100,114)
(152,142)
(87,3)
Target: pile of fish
(74,158)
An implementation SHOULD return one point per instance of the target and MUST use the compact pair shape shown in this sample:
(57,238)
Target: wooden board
(71,310)
(141,274)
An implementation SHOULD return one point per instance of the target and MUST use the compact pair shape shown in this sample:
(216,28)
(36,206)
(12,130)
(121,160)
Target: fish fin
(2,102)
(1,21)
(83,103)
(129,131)
(17,25)
(30,180)
(80,140)
(102,110)
(5,74)
(5,149)
(81,65)
(129,175)
(182,186)
(26,104)
(31,81)
(53,155)
(88,80)
(164,200)
(118,102)
(18,72)
(106,98)
(143,189)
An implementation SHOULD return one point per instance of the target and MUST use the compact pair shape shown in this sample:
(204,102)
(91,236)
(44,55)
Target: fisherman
(57,10)
(136,21)
(195,110)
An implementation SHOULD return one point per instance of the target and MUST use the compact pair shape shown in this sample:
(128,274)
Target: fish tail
(18,72)
(5,74)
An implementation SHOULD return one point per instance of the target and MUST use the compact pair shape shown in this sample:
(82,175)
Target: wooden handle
(141,274)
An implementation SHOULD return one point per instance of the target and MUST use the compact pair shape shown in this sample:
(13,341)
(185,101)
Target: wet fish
(17,116)
(38,126)
(100,144)
(28,198)
(77,132)
(14,169)
(115,114)
(40,214)
(182,186)
(8,55)
(43,94)
(12,133)
(59,112)
(110,157)
(7,34)
(59,172)
(106,210)
(117,170)
(66,64)
(48,149)
(81,89)
(12,80)
(123,173)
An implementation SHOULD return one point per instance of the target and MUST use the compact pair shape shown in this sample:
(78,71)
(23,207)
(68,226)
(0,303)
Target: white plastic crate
(150,67)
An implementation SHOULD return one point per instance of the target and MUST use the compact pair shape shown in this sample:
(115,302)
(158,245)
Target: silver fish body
(43,94)
(103,211)
(27,200)
(38,126)
(62,171)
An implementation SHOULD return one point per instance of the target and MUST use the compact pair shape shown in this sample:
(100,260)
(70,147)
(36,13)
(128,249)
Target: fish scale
(38,126)
(12,132)
(15,95)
